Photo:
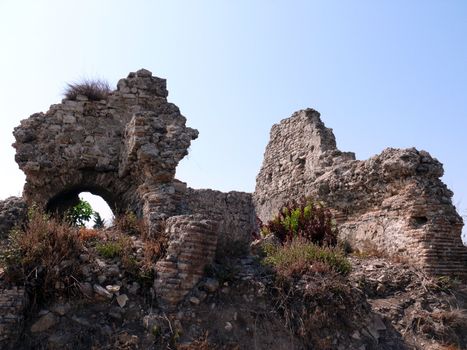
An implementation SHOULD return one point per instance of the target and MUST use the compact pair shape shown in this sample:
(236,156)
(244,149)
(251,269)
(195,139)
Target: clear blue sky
(382,73)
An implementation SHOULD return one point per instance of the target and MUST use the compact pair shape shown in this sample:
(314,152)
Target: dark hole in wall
(418,221)
(301,162)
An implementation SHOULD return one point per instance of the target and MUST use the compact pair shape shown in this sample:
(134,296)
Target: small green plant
(80,214)
(110,249)
(307,220)
(94,90)
(297,257)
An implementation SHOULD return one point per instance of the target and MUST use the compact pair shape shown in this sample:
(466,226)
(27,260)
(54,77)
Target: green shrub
(298,256)
(79,214)
(307,220)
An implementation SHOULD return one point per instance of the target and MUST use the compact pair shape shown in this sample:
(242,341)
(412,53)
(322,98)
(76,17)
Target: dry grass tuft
(129,223)
(94,90)
(298,257)
(154,250)
(44,256)
(443,325)
(452,318)
(310,290)
(88,234)
(314,310)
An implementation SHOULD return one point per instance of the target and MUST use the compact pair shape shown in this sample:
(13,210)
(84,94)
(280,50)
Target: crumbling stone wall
(13,302)
(192,246)
(394,202)
(13,212)
(234,211)
(124,148)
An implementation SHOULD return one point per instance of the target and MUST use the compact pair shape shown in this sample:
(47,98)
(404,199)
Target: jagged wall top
(393,202)
(300,149)
(122,148)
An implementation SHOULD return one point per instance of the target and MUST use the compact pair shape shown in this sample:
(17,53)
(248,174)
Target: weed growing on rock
(311,271)
(118,244)
(307,237)
(131,224)
(109,250)
(307,219)
(43,256)
(154,249)
(311,297)
(87,234)
(297,257)
(94,90)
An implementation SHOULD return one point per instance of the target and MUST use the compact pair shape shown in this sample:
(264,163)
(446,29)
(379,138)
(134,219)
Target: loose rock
(44,323)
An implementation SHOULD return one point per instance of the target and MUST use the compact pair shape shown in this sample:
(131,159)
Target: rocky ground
(241,304)
(427,313)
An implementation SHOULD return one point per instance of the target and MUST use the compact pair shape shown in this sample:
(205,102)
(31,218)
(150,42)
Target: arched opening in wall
(101,201)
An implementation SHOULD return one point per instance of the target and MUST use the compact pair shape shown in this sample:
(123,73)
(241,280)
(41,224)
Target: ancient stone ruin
(126,147)
(393,202)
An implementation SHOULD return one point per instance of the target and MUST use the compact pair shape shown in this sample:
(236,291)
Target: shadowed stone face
(124,148)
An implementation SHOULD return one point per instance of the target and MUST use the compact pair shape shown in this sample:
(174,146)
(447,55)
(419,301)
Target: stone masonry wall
(234,211)
(13,212)
(394,201)
(300,149)
(124,148)
(12,306)
(192,246)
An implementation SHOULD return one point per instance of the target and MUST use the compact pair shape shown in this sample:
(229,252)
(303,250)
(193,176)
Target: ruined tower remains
(394,202)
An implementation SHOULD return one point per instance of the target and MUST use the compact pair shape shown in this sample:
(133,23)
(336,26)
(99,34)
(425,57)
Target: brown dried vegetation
(43,256)
(94,90)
